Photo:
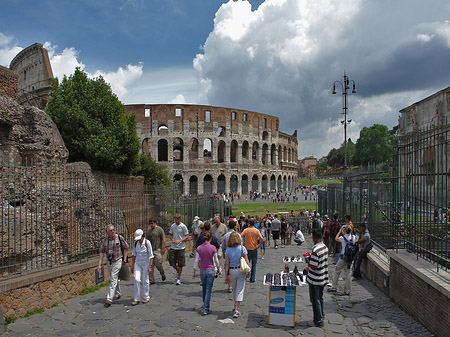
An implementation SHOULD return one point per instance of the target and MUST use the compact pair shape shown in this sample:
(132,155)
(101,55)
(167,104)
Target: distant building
(33,67)
(308,167)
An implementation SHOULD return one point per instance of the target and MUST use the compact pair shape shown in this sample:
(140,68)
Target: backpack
(350,249)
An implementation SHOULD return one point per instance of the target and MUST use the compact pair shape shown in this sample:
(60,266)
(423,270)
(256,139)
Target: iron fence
(53,213)
(406,207)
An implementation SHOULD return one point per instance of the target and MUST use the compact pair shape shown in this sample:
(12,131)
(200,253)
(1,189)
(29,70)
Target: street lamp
(345,86)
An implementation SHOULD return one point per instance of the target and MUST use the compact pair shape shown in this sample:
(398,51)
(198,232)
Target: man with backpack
(348,250)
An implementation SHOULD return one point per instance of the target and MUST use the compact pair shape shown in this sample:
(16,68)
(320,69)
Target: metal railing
(406,207)
(53,213)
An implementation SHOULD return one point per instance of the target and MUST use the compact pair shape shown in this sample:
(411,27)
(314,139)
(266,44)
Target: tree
(374,145)
(93,123)
(153,173)
(322,167)
(335,157)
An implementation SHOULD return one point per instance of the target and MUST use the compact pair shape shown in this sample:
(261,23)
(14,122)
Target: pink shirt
(207,254)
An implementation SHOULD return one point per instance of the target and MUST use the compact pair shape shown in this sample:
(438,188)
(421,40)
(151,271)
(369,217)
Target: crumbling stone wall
(9,83)
(218,150)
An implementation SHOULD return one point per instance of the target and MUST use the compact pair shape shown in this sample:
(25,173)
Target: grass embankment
(262,208)
(307,182)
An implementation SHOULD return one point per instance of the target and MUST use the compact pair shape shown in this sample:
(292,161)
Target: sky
(279,57)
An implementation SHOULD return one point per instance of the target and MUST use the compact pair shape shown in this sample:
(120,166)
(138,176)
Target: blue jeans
(316,298)
(207,277)
(253,258)
(360,255)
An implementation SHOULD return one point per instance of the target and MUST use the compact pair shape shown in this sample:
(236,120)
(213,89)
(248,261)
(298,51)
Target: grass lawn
(262,208)
(307,181)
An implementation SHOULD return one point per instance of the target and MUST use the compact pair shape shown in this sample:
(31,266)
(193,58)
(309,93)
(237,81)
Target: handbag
(124,273)
(245,268)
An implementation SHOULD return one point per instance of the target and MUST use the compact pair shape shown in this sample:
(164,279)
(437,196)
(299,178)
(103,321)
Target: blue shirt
(234,254)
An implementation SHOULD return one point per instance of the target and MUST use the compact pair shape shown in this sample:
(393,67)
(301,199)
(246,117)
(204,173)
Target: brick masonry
(46,288)
(415,286)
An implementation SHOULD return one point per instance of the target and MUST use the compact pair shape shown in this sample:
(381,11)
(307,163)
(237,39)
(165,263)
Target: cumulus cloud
(122,79)
(283,58)
(7,51)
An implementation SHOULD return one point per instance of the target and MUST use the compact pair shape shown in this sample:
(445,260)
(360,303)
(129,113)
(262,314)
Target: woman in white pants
(233,269)
(141,266)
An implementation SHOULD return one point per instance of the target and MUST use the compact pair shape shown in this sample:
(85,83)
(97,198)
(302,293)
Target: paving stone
(334,318)
(231,333)
(313,331)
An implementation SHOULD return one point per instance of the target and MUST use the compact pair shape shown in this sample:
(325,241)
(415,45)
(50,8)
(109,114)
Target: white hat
(196,218)
(138,234)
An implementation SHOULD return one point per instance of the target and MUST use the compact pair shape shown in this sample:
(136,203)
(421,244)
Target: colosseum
(211,149)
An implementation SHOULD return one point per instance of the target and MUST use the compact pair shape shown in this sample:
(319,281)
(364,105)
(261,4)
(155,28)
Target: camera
(110,257)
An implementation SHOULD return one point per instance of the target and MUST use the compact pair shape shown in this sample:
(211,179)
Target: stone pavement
(174,310)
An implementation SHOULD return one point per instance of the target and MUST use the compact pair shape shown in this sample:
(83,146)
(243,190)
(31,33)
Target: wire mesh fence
(53,213)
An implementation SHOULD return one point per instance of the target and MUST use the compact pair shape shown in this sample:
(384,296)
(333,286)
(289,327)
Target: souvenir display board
(282,305)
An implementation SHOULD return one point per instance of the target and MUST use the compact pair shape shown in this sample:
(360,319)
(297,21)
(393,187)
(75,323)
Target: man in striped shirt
(317,276)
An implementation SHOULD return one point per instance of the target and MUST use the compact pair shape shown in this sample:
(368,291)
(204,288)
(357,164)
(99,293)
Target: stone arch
(178,149)
(244,184)
(285,154)
(255,148)
(193,185)
(289,155)
(163,153)
(273,154)
(265,154)
(289,183)
(233,151)
(221,182)
(284,183)
(279,184)
(221,131)
(245,148)
(146,146)
(233,183)
(193,148)
(280,155)
(264,184)
(272,182)
(207,148)
(265,135)
(255,181)
(221,152)
(163,130)
(178,180)
(207,184)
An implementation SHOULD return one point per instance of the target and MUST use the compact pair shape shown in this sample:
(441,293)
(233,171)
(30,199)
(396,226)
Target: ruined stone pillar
(200,184)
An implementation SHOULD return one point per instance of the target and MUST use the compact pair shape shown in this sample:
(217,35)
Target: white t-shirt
(348,237)
(178,232)
(299,236)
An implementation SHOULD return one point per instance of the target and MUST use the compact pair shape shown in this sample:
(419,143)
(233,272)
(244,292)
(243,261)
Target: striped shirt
(318,259)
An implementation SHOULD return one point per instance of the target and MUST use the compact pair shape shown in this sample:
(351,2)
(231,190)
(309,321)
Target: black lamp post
(345,86)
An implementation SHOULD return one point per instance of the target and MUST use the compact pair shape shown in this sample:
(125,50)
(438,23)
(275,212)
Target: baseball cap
(138,234)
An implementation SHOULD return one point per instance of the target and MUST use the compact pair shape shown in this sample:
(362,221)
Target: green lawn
(261,209)
(306,181)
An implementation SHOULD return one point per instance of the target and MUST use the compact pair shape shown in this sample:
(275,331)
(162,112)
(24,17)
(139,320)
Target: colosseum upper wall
(218,150)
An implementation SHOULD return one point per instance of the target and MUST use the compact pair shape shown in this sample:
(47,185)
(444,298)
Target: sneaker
(134,303)
(178,282)
(230,290)
(262,257)
(107,304)
(314,324)
(145,301)
(204,313)
(236,314)
(331,290)
(164,278)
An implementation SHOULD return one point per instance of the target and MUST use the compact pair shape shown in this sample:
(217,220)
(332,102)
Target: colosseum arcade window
(163,130)
(233,151)
(207,148)
(245,117)
(255,151)
(265,123)
(245,147)
(220,131)
(273,150)
(193,149)
(178,112)
(177,149)
(265,135)
(147,113)
(233,115)
(163,152)
(265,152)
(221,152)
(207,116)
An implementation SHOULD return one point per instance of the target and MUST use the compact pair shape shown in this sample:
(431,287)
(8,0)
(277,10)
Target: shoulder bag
(245,268)
(124,273)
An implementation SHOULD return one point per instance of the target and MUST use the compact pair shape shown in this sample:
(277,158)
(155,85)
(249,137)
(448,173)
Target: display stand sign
(282,305)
